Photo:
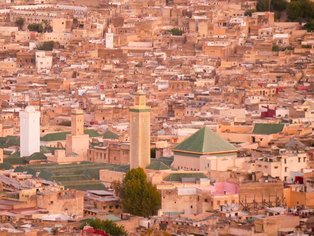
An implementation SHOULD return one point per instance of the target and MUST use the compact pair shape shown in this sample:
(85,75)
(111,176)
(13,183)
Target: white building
(43,61)
(109,39)
(29,131)
(284,167)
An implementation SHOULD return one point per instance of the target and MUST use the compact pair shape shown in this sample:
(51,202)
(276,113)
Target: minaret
(109,39)
(29,131)
(139,132)
(77,122)
(77,142)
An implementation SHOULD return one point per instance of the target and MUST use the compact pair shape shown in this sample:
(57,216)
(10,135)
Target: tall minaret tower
(139,132)
(77,122)
(29,131)
(109,39)
(77,142)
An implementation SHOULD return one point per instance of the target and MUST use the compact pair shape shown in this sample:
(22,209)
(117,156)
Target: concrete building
(29,131)
(139,132)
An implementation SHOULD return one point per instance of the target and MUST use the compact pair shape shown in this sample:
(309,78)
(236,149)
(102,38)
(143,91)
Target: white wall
(29,131)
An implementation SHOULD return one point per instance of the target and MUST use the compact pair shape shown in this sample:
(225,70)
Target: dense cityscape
(157,117)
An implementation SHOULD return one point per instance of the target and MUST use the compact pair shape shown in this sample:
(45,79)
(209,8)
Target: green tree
(249,12)
(46,26)
(46,46)
(262,5)
(309,26)
(108,226)
(20,22)
(279,5)
(275,48)
(275,5)
(35,27)
(176,31)
(300,10)
(138,196)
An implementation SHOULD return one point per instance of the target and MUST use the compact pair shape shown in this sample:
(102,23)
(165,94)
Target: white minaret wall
(109,40)
(29,131)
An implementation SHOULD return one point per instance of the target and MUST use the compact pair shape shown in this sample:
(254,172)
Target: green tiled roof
(166,160)
(36,156)
(82,176)
(15,159)
(205,141)
(85,185)
(58,136)
(46,149)
(92,133)
(177,177)
(267,128)
(55,136)
(110,135)
(9,141)
(157,165)
(5,166)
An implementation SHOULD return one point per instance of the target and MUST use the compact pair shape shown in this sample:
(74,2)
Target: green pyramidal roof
(205,141)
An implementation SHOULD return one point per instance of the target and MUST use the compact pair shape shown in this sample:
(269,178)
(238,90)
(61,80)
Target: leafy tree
(275,5)
(262,5)
(138,196)
(300,10)
(46,46)
(106,225)
(249,12)
(275,48)
(35,27)
(309,26)
(176,31)
(20,22)
(279,5)
(47,27)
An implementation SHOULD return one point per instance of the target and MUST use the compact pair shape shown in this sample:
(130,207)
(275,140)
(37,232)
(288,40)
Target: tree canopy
(138,196)
(176,32)
(275,5)
(108,226)
(300,10)
(46,46)
(35,27)
(309,26)
(40,27)
(20,22)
